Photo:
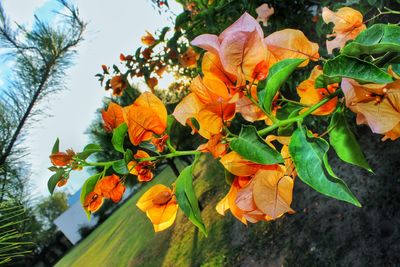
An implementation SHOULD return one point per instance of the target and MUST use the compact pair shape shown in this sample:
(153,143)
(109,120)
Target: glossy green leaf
(56,147)
(287,111)
(309,156)
(119,137)
(278,74)
(252,147)
(88,187)
(187,199)
(354,68)
(54,179)
(120,167)
(379,38)
(89,150)
(344,142)
(128,156)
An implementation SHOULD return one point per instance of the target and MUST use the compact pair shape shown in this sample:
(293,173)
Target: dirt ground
(327,232)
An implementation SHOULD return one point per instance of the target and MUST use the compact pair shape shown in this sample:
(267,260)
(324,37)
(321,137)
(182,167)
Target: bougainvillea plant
(243,72)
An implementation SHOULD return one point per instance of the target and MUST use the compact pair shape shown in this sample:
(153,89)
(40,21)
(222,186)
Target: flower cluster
(242,72)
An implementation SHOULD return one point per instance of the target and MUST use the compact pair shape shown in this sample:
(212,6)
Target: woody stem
(300,117)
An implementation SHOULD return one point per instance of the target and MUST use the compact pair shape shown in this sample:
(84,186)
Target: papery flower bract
(62,182)
(148,39)
(214,146)
(144,169)
(62,159)
(263,13)
(348,24)
(93,201)
(290,43)
(118,85)
(377,105)
(310,95)
(112,117)
(160,206)
(189,58)
(147,116)
(152,82)
(240,47)
(239,166)
(209,103)
(111,187)
(265,196)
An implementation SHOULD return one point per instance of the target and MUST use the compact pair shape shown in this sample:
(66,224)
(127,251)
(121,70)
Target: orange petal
(309,95)
(162,216)
(237,165)
(113,116)
(273,192)
(264,12)
(145,202)
(348,24)
(290,43)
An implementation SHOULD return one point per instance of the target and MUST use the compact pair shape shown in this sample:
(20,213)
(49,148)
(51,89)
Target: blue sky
(114,27)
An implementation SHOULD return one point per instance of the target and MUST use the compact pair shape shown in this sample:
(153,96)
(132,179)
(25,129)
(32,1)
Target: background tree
(40,57)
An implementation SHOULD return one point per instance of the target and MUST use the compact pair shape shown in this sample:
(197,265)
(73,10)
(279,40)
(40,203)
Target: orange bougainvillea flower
(265,196)
(112,117)
(62,182)
(214,146)
(118,85)
(144,169)
(111,187)
(152,82)
(146,117)
(240,47)
(159,143)
(290,43)
(310,95)
(189,58)
(209,103)
(239,166)
(93,201)
(62,159)
(148,39)
(160,205)
(348,24)
(263,13)
(377,105)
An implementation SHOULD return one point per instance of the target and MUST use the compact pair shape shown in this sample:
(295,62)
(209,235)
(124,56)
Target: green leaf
(56,147)
(187,199)
(278,74)
(120,167)
(288,111)
(128,156)
(344,142)
(252,147)
(309,157)
(354,68)
(88,187)
(119,137)
(379,38)
(54,179)
(89,150)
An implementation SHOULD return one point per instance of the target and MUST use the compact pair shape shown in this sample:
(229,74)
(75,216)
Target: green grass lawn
(127,238)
